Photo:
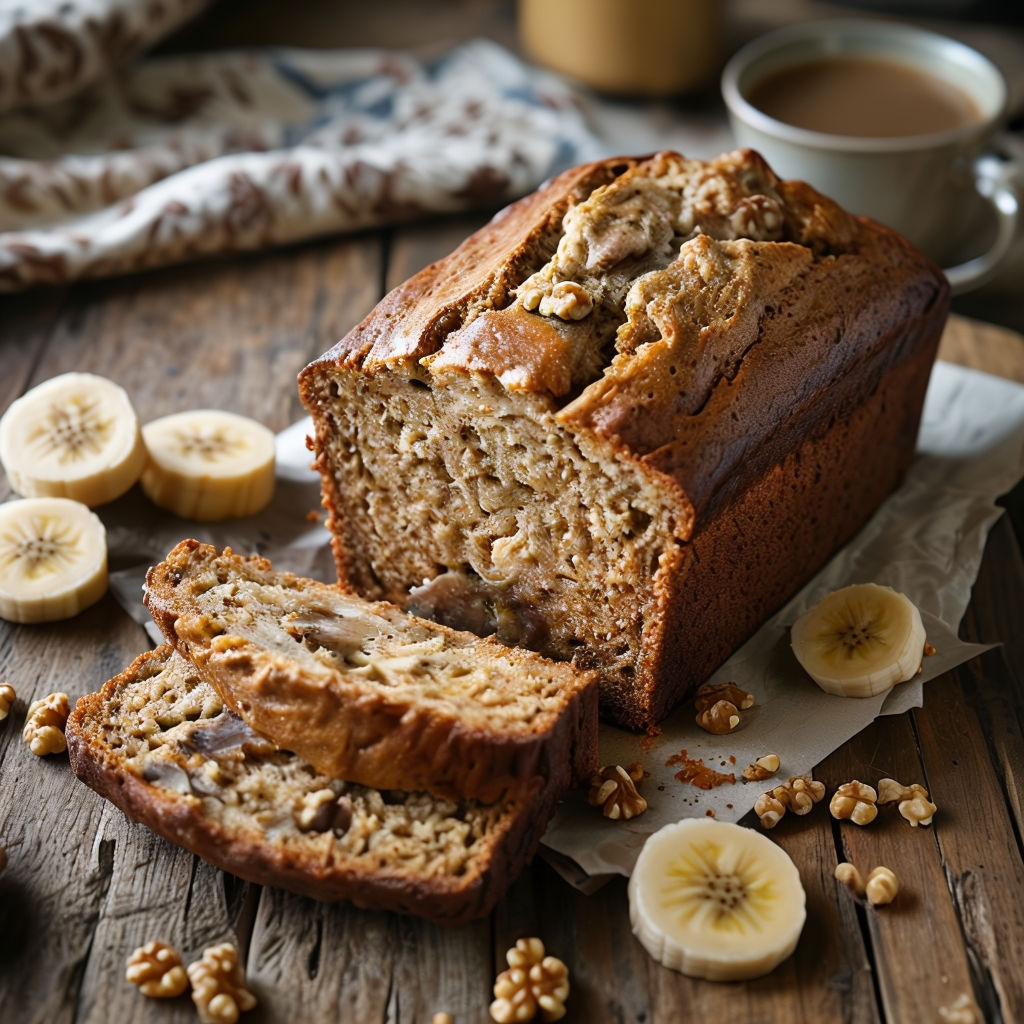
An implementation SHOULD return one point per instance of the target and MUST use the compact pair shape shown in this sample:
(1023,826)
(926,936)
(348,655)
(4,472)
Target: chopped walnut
(856,801)
(769,809)
(718,706)
(218,985)
(798,795)
(44,724)
(7,696)
(881,886)
(157,970)
(613,789)
(804,793)
(567,300)
(763,768)
(912,801)
(534,983)
(850,877)
(963,1010)
(322,811)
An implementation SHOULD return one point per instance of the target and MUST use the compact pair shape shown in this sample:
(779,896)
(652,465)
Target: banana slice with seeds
(715,900)
(860,641)
(208,465)
(53,559)
(74,436)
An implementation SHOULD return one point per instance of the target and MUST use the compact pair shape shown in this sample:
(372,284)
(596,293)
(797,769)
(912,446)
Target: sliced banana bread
(159,743)
(369,693)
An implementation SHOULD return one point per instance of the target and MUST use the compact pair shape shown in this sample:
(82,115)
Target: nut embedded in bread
(369,693)
(627,419)
(160,744)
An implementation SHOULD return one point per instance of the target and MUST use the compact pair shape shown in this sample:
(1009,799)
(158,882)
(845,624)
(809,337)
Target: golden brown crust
(313,863)
(367,693)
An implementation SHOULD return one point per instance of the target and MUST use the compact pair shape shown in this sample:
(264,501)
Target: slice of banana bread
(159,743)
(627,419)
(369,693)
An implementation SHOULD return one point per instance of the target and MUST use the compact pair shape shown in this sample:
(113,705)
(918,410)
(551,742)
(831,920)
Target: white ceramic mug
(926,186)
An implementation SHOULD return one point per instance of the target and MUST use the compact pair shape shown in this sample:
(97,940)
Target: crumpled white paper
(927,540)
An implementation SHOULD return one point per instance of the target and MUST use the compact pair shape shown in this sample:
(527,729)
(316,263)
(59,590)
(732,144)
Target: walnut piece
(613,789)
(157,970)
(718,706)
(763,768)
(7,697)
(881,886)
(855,801)
(567,300)
(850,877)
(44,724)
(322,811)
(534,983)
(218,985)
(912,801)
(798,795)
(963,1010)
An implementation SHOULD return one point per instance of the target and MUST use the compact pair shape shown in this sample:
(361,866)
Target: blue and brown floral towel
(112,162)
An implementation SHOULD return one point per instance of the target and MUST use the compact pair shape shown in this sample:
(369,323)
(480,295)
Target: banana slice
(860,640)
(715,900)
(53,559)
(74,436)
(209,465)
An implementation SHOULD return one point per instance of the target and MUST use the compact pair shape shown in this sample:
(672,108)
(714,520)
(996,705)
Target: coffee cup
(891,121)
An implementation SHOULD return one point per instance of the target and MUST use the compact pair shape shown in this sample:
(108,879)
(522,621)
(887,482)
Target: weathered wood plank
(972,746)
(923,917)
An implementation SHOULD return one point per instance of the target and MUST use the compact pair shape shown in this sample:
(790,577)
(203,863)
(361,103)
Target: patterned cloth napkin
(163,159)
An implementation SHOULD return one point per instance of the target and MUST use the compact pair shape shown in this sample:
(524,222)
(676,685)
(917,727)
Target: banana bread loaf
(367,693)
(159,743)
(627,419)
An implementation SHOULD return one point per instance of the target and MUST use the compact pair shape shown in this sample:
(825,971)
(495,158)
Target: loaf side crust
(158,742)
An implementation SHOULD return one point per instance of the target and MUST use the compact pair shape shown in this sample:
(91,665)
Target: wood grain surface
(83,886)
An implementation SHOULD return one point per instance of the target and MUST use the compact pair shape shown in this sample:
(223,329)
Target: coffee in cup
(887,119)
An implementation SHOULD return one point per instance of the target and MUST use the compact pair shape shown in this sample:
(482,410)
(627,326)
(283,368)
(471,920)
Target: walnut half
(218,985)
(718,706)
(856,801)
(534,983)
(613,789)
(798,795)
(44,724)
(7,698)
(157,970)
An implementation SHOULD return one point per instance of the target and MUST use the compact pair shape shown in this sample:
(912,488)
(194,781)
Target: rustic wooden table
(83,886)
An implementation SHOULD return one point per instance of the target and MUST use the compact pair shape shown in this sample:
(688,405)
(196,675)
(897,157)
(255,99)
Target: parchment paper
(926,540)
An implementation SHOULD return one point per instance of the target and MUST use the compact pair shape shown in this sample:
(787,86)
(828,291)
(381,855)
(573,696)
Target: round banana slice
(715,900)
(74,436)
(209,465)
(860,640)
(53,559)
